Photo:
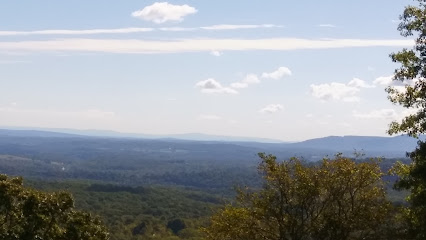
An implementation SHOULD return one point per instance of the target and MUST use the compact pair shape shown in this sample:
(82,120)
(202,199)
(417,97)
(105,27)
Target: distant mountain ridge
(361,142)
(107,133)
(372,146)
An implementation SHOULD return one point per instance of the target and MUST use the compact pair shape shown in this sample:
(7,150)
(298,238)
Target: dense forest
(139,188)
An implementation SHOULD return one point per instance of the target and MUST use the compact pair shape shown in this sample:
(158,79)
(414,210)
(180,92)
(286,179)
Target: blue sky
(287,70)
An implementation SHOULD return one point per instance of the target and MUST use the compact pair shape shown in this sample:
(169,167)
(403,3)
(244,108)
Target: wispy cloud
(175,29)
(191,45)
(129,30)
(161,12)
(327,25)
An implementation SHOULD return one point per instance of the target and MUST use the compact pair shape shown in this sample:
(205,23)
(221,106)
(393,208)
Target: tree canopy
(27,214)
(335,199)
(412,75)
(412,72)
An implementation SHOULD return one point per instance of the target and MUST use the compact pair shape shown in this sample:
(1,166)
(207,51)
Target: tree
(28,214)
(176,225)
(335,199)
(412,75)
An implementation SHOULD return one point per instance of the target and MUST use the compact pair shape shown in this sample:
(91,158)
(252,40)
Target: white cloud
(399,86)
(386,80)
(236,27)
(216,53)
(271,108)
(161,12)
(339,91)
(335,91)
(76,32)
(248,80)
(251,79)
(212,86)
(389,81)
(279,73)
(190,45)
(327,25)
(377,114)
(209,117)
(408,112)
(356,82)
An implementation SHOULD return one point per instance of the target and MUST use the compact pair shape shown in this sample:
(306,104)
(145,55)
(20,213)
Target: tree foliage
(335,199)
(29,214)
(412,74)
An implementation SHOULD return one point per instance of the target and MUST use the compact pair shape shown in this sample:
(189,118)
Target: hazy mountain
(34,133)
(235,148)
(366,143)
(107,133)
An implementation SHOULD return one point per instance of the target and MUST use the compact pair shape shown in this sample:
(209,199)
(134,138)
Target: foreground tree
(336,199)
(27,214)
(412,75)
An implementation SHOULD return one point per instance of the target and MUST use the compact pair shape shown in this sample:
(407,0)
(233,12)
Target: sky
(278,69)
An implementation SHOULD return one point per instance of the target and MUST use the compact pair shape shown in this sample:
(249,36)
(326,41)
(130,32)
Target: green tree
(335,199)
(412,75)
(176,225)
(27,214)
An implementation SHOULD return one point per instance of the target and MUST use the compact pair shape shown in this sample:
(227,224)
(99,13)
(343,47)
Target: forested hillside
(142,188)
